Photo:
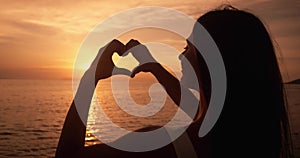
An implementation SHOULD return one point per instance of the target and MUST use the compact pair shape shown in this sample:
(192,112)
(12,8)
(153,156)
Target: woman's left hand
(142,55)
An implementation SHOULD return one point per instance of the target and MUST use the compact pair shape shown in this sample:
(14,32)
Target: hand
(142,55)
(139,51)
(154,68)
(103,63)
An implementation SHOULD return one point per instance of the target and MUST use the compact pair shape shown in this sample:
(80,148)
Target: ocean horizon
(33,113)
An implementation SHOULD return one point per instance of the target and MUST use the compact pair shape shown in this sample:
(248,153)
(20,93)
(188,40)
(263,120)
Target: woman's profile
(254,121)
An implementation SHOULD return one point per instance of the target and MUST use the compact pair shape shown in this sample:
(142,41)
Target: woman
(254,120)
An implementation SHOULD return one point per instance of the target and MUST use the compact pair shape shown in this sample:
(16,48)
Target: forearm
(168,81)
(72,137)
(178,93)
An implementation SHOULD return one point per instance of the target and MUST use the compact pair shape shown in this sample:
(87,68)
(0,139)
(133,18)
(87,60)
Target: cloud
(23,27)
(36,33)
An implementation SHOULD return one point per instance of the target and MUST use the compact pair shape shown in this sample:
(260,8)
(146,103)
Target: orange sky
(40,39)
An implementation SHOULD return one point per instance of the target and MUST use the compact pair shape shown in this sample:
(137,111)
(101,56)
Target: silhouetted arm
(166,79)
(72,139)
(178,93)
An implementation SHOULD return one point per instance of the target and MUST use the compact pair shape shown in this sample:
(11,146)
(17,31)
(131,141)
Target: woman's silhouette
(254,121)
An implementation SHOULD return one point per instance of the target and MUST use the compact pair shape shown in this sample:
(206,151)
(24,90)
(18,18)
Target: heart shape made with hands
(127,62)
(132,57)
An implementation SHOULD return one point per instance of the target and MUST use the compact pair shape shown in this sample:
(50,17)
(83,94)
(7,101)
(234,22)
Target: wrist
(156,69)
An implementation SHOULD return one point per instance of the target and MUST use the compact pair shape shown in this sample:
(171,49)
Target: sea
(32,114)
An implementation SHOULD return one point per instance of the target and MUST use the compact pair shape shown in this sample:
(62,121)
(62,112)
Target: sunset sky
(40,39)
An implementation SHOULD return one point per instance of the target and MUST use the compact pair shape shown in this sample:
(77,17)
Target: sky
(41,39)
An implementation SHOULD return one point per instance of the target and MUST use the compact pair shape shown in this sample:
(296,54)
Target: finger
(108,50)
(131,44)
(121,71)
(115,46)
(136,71)
(119,47)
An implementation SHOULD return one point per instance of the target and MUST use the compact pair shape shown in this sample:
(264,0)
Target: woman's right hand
(103,63)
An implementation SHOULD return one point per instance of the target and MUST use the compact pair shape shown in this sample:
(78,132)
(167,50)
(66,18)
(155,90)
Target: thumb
(136,70)
(121,71)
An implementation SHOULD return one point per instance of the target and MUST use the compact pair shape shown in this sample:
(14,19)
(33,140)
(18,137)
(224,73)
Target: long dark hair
(254,120)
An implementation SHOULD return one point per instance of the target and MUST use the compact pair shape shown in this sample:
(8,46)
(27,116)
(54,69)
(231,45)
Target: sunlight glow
(128,62)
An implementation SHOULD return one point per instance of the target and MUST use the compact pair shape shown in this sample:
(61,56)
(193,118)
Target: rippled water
(33,112)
